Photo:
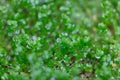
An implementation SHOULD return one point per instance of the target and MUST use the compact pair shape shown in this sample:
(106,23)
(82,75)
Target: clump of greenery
(59,40)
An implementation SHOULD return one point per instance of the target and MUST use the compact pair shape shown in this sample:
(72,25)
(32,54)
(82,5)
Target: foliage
(59,40)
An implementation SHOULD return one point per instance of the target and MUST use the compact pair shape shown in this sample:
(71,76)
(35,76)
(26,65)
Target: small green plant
(59,40)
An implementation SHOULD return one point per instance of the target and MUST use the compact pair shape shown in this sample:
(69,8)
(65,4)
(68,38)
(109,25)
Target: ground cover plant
(59,39)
